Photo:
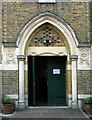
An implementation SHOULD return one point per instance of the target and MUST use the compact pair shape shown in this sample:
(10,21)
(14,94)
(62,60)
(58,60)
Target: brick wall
(84,82)
(16,15)
(10,82)
(91,21)
(0,86)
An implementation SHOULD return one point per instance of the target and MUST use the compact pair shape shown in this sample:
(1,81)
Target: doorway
(46,80)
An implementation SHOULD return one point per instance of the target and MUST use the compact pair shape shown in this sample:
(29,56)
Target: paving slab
(57,113)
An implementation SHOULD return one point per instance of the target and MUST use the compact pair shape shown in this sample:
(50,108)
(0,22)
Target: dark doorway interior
(46,87)
(40,81)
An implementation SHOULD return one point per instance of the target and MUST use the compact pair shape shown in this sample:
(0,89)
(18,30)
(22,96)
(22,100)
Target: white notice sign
(56,71)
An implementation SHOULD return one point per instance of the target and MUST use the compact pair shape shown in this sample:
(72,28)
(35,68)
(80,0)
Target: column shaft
(21,81)
(21,100)
(74,80)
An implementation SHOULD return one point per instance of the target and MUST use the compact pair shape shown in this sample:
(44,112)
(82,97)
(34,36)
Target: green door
(56,81)
(46,80)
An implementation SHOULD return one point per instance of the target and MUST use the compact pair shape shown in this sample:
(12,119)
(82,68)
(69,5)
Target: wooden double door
(46,80)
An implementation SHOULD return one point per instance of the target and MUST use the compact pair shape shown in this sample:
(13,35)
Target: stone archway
(40,20)
(23,42)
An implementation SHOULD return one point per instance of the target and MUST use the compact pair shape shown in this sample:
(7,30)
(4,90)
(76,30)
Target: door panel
(48,74)
(56,82)
(40,80)
(30,82)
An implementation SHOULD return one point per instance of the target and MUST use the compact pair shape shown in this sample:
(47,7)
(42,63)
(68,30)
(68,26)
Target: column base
(74,104)
(70,103)
(21,105)
(80,104)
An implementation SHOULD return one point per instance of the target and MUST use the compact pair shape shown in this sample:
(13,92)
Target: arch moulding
(39,20)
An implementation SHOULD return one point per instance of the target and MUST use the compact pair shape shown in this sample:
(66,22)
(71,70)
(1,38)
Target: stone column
(21,100)
(74,80)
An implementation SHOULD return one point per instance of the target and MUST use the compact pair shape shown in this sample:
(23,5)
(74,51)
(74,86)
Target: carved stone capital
(21,57)
(73,57)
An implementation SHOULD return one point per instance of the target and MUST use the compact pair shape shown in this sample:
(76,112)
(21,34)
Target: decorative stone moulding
(10,56)
(84,58)
(47,36)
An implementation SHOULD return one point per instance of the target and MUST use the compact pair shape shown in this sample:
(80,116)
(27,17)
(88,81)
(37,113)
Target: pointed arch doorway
(28,44)
(46,74)
(46,80)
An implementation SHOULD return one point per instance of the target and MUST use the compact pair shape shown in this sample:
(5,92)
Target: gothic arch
(22,41)
(39,20)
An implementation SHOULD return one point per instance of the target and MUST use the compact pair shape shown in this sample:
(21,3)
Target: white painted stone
(10,67)
(69,103)
(13,96)
(21,81)
(84,56)
(21,101)
(46,1)
(81,96)
(74,83)
(0,66)
(43,51)
(9,56)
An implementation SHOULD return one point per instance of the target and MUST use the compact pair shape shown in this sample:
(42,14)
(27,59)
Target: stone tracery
(46,36)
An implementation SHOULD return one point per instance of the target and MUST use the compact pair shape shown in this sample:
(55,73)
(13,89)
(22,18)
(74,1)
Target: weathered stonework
(10,82)
(84,82)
